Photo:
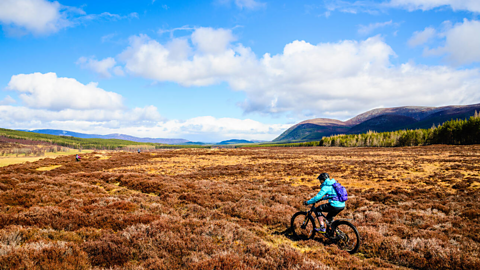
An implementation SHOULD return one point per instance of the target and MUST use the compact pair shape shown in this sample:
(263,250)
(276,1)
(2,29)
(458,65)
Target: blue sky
(223,69)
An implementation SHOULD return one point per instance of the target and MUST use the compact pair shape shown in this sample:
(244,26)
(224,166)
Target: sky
(215,70)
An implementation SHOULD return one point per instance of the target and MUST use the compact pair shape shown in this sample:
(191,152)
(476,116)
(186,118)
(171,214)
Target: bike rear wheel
(303,226)
(346,236)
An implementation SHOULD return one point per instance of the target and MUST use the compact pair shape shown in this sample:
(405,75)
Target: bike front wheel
(303,226)
(346,236)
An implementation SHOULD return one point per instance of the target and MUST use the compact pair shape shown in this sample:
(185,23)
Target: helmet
(323,177)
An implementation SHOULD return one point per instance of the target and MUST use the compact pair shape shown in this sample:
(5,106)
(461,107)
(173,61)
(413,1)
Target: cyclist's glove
(305,203)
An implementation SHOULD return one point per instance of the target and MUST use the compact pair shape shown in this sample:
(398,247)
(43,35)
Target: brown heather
(415,207)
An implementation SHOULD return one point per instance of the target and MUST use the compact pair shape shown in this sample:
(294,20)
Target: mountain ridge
(379,119)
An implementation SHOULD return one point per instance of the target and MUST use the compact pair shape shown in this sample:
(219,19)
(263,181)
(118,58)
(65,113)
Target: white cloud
(210,64)
(64,103)
(422,37)
(469,5)
(354,7)
(353,76)
(39,17)
(212,41)
(107,15)
(47,91)
(244,4)
(7,100)
(178,49)
(108,37)
(249,4)
(462,43)
(102,67)
(118,71)
(334,79)
(140,122)
(367,29)
(172,31)
(26,114)
(208,128)
(42,17)
(376,7)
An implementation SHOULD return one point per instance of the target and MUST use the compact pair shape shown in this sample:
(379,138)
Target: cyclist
(332,207)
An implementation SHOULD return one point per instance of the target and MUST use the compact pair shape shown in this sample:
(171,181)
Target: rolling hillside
(108,136)
(380,120)
(68,141)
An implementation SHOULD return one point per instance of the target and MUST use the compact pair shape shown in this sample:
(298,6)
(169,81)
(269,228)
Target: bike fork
(304,224)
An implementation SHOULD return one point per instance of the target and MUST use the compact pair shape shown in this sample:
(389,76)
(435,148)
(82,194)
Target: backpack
(342,195)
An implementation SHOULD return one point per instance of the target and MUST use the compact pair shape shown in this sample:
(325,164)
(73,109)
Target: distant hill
(109,136)
(380,120)
(234,141)
(313,129)
(195,143)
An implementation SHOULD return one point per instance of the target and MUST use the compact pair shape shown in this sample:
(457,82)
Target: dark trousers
(332,210)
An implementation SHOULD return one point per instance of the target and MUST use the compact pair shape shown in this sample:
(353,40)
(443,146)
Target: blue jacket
(328,190)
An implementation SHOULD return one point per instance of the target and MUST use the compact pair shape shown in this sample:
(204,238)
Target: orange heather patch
(231,208)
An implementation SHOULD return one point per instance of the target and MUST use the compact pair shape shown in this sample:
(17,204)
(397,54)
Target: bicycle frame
(316,215)
(334,229)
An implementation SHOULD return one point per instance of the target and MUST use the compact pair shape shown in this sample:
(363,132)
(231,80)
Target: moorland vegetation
(415,207)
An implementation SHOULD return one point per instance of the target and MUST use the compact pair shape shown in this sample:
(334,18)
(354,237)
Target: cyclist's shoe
(321,229)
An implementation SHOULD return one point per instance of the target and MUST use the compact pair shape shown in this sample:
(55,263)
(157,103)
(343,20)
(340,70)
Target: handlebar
(322,199)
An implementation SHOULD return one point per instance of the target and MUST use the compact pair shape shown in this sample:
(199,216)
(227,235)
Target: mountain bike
(341,232)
